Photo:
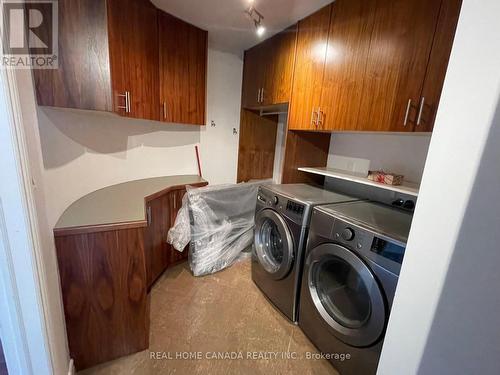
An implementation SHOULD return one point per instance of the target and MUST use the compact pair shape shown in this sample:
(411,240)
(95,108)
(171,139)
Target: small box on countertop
(386,178)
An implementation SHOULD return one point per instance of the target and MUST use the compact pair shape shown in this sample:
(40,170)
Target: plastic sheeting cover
(218,222)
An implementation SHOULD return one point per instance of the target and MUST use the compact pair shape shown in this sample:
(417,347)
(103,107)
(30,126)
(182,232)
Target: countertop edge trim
(95,228)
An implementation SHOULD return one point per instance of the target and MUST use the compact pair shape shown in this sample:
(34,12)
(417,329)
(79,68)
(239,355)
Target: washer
(281,225)
(352,263)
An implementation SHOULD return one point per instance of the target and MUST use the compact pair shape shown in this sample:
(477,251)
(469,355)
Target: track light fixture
(257,19)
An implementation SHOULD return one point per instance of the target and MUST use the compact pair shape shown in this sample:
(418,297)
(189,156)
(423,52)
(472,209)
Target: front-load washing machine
(352,263)
(281,225)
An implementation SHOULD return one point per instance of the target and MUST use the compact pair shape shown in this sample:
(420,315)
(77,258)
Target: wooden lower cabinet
(162,212)
(106,272)
(106,305)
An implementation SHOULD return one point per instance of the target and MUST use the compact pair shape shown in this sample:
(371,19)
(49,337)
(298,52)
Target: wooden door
(277,61)
(257,146)
(183,70)
(310,56)
(82,79)
(133,49)
(253,77)
(346,58)
(438,63)
(397,61)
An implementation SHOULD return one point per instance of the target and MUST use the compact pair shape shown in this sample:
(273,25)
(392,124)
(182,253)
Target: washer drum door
(346,295)
(273,244)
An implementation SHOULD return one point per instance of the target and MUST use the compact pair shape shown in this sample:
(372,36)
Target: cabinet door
(346,58)
(277,61)
(397,61)
(175,203)
(438,63)
(133,48)
(253,77)
(83,79)
(157,248)
(310,56)
(183,70)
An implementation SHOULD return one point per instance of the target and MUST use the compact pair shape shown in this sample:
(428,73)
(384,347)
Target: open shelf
(405,188)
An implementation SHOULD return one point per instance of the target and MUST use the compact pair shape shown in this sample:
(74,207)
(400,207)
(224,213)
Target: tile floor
(224,312)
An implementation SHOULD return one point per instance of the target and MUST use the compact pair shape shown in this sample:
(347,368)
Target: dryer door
(346,294)
(273,244)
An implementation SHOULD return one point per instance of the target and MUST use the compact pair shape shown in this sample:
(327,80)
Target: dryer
(352,263)
(281,226)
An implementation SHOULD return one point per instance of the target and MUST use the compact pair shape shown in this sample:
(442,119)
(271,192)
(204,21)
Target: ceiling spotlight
(260,30)
(257,18)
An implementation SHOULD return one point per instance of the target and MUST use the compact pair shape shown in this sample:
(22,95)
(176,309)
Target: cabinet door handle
(127,101)
(407,112)
(313,113)
(262,95)
(126,96)
(421,109)
(320,117)
(258,96)
(164,110)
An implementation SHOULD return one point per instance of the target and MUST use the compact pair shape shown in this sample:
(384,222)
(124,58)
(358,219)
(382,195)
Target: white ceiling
(229,28)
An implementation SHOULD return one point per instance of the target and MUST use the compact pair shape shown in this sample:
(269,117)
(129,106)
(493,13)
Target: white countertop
(119,203)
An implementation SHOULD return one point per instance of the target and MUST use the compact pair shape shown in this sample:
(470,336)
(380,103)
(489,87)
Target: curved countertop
(122,204)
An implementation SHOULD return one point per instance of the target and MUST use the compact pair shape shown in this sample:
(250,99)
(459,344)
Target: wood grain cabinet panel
(346,59)
(82,80)
(183,70)
(278,61)
(103,280)
(127,57)
(162,212)
(268,70)
(253,76)
(438,62)
(157,248)
(310,57)
(133,46)
(257,146)
(401,42)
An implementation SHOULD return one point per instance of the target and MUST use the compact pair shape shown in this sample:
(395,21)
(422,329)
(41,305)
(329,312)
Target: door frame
(24,324)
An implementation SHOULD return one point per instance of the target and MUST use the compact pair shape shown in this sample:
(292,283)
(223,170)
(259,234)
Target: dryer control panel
(292,209)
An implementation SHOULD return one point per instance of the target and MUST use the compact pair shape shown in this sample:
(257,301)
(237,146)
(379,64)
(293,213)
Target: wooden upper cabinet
(346,58)
(253,77)
(268,70)
(310,58)
(183,70)
(438,63)
(400,46)
(113,57)
(278,60)
(82,80)
(133,48)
